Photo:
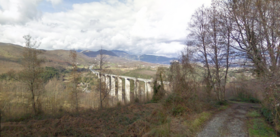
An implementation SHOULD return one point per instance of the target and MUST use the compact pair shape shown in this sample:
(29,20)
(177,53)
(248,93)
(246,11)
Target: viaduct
(110,81)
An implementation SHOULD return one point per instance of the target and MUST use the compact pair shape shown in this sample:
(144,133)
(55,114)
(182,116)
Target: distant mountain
(126,55)
(120,53)
(95,53)
(145,58)
(123,54)
(156,59)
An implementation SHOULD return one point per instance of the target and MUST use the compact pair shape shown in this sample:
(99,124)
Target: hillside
(10,57)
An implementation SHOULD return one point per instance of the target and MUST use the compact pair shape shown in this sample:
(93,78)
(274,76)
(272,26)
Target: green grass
(201,119)
(197,123)
(258,127)
(253,113)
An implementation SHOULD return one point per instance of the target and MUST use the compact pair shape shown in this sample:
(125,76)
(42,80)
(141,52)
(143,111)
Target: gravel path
(228,123)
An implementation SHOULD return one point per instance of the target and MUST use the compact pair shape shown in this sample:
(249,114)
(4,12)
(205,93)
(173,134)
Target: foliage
(50,73)
(268,114)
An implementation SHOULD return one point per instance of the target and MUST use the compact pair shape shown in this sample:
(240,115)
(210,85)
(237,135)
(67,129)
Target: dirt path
(228,123)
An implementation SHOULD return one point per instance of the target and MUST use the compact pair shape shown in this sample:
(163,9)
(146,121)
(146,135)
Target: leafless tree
(256,33)
(74,80)
(103,90)
(209,38)
(31,74)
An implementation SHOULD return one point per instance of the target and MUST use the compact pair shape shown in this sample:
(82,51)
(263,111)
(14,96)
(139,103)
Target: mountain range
(11,55)
(123,54)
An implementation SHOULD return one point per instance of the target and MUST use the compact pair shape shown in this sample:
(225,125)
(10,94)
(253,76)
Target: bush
(246,97)
(222,103)
(267,113)
(178,110)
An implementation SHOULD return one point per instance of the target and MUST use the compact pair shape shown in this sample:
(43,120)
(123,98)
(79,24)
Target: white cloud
(18,11)
(138,26)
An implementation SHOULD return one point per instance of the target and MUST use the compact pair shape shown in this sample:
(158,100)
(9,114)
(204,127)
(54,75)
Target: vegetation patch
(253,113)
(161,131)
(259,128)
(267,113)
(245,97)
(200,120)
(223,107)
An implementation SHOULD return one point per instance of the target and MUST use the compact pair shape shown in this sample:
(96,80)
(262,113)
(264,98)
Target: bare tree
(31,74)
(256,33)
(103,90)
(208,39)
(198,38)
(74,80)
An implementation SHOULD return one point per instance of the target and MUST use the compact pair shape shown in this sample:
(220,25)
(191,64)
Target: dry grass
(6,66)
(243,90)
(107,122)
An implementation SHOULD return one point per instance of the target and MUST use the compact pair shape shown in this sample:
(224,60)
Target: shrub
(178,110)
(247,97)
(267,113)
(222,103)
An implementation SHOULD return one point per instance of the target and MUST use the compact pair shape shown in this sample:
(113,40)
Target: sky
(155,27)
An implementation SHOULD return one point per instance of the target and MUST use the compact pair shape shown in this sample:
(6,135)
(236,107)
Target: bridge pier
(135,89)
(149,91)
(120,90)
(107,81)
(145,90)
(102,78)
(113,85)
(127,89)
(138,94)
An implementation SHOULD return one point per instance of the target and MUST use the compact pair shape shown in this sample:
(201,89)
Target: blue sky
(157,27)
(47,6)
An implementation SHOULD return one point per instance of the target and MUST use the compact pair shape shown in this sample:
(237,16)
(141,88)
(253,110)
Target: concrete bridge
(110,80)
